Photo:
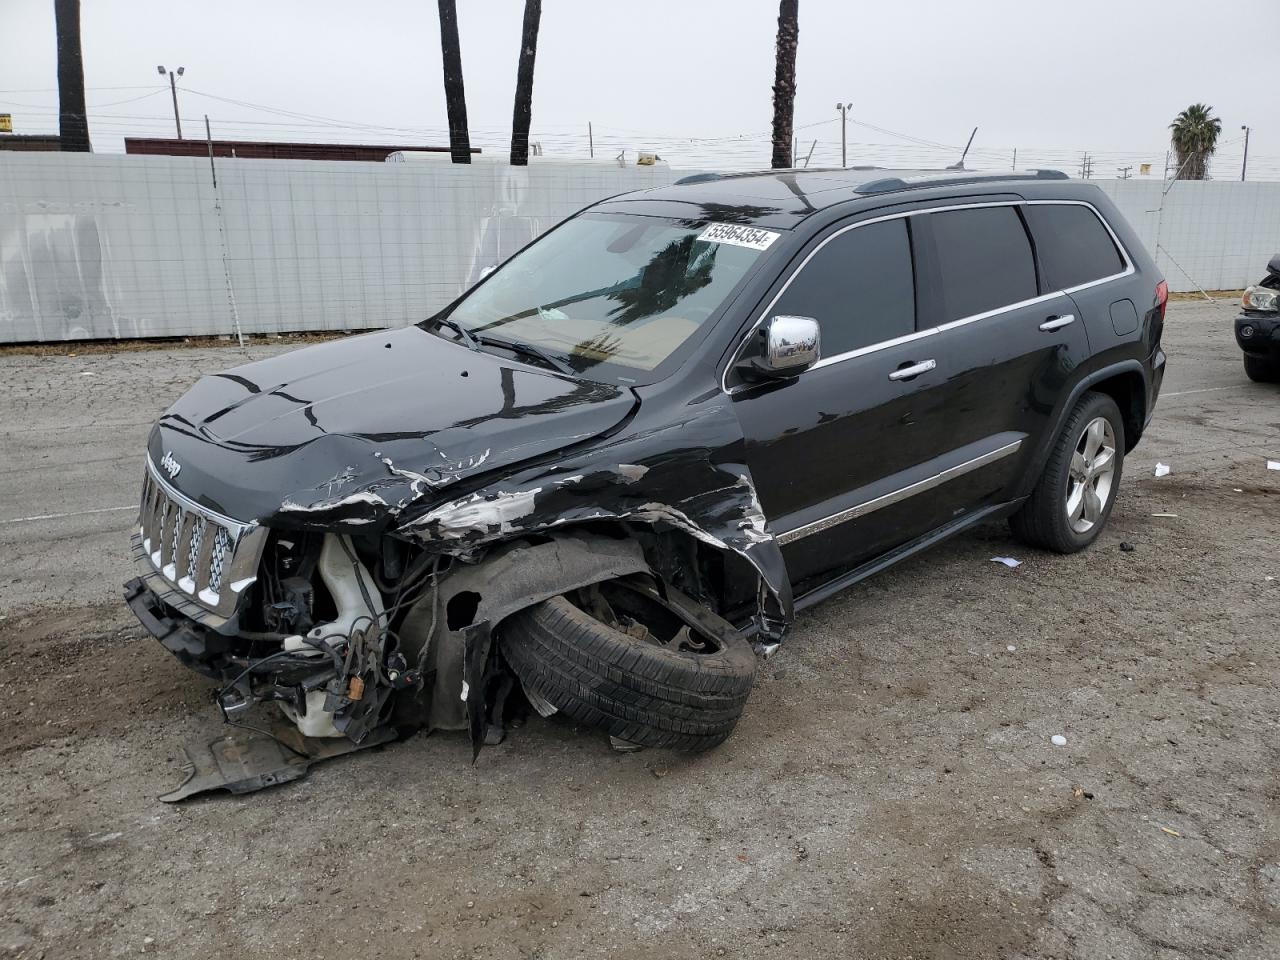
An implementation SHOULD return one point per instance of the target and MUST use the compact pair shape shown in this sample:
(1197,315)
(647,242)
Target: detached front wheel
(617,658)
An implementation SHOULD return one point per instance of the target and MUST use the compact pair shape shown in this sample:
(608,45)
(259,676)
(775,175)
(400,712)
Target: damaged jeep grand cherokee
(607,471)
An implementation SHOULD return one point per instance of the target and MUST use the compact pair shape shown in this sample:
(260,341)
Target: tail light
(1162,297)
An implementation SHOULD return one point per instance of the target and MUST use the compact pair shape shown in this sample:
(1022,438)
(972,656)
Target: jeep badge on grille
(170,465)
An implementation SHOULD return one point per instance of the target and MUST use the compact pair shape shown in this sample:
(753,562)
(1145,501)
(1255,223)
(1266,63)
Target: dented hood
(370,421)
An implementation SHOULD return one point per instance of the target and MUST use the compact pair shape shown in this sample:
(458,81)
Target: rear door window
(1074,246)
(860,288)
(984,260)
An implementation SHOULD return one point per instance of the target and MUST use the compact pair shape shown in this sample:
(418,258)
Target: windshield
(615,290)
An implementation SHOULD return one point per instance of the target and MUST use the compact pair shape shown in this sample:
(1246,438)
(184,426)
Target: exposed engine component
(360,618)
(336,679)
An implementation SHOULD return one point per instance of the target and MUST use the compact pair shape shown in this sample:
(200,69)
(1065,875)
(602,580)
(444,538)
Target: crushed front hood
(347,429)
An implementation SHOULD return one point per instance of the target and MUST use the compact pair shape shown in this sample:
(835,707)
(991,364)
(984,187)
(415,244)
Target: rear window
(1073,244)
(984,260)
(859,287)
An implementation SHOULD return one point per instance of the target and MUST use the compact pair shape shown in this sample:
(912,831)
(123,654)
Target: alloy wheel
(1093,472)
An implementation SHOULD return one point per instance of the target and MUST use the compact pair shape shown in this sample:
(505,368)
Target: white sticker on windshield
(739,236)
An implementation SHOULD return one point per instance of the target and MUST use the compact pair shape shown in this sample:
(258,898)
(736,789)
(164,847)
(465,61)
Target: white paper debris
(1059,740)
(1273,464)
(1162,469)
(1011,648)
(1007,561)
(1174,515)
(1237,490)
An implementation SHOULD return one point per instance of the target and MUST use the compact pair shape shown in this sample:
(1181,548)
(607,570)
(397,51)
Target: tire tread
(644,694)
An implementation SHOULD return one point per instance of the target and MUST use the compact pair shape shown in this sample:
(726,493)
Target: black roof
(782,198)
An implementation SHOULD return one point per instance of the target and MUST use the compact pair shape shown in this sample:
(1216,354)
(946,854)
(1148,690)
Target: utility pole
(1124,172)
(1015,158)
(1244,165)
(591,141)
(173,89)
(844,109)
(1086,167)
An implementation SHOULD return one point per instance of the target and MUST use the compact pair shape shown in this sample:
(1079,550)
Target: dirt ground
(892,791)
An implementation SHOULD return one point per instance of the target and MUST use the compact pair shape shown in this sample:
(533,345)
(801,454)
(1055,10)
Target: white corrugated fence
(105,246)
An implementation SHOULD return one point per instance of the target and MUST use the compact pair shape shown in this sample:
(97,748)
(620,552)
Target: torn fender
(513,578)
(667,474)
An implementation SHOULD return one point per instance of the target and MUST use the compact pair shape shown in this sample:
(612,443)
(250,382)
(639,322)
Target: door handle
(906,373)
(1058,322)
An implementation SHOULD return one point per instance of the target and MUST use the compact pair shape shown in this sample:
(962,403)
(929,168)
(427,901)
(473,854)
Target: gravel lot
(892,791)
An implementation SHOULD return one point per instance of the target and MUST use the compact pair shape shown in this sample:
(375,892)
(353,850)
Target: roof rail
(777,171)
(891,184)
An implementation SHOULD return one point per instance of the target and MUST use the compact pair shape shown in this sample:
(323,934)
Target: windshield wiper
(532,350)
(464,335)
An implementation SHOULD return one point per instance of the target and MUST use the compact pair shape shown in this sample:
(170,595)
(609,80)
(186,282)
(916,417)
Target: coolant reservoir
(318,722)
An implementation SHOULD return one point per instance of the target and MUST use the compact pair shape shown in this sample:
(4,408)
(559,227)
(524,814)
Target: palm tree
(1195,137)
(73,125)
(455,97)
(784,82)
(524,84)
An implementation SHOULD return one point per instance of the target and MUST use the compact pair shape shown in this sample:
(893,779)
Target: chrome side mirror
(790,346)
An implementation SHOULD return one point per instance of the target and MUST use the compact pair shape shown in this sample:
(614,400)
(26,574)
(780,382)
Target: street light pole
(173,89)
(1244,165)
(844,109)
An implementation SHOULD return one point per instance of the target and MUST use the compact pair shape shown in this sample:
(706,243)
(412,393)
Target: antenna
(959,165)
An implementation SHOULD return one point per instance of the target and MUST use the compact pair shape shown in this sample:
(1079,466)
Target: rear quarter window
(1074,247)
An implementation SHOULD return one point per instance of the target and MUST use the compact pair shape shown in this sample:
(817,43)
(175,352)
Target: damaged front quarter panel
(684,472)
(680,472)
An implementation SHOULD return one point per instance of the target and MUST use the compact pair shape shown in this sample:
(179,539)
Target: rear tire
(1262,369)
(638,691)
(1060,514)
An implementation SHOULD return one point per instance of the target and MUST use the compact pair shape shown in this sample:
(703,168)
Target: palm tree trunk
(784,82)
(455,97)
(1192,165)
(523,114)
(73,124)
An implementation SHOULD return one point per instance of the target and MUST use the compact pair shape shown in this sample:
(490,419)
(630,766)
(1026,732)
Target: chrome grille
(174,534)
(221,547)
(209,557)
(197,540)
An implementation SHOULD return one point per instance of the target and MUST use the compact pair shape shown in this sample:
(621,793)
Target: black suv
(1258,326)
(597,479)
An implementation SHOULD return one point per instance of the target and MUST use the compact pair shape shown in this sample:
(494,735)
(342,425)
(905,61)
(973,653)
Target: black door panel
(875,517)
(855,431)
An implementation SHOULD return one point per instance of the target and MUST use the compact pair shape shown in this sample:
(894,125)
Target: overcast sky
(1050,79)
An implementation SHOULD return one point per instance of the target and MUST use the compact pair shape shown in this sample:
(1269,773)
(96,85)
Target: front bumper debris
(245,761)
(202,650)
